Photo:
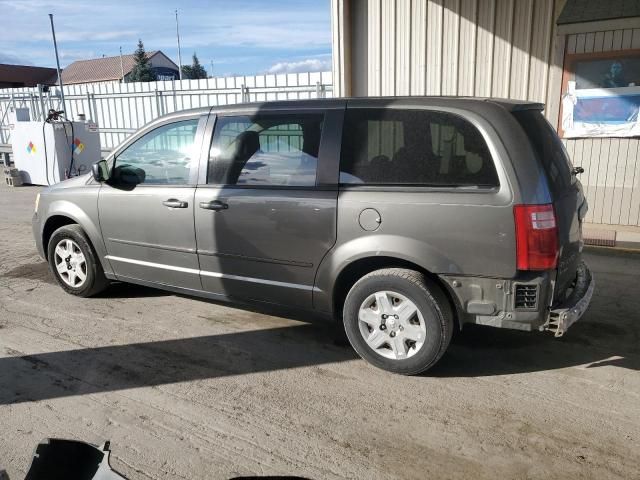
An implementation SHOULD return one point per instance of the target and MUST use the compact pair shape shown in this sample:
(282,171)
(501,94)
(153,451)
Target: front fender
(85,216)
(402,248)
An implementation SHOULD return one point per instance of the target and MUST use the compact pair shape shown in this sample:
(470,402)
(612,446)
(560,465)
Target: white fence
(120,109)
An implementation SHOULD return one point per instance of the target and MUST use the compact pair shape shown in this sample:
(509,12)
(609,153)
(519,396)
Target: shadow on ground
(129,290)
(484,351)
(476,352)
(32,271)
(90,370)
(608,335)
(40,271)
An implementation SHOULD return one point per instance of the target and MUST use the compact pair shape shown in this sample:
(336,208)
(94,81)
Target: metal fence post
(31,105)
(244,97)
(158,102)
(321,91)
(175,95)
(89,115)
(42,115)
(92,96)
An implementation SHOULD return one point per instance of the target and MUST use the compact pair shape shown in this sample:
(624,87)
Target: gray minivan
(404,218)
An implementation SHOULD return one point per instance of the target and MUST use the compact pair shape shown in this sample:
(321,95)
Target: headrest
(247,143)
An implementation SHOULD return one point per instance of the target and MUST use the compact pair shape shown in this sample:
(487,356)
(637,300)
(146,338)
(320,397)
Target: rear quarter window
(548,148)
(414,147)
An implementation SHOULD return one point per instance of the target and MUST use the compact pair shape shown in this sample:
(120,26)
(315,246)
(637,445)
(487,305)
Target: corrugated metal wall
(612,165)
(500,48)
(340,33)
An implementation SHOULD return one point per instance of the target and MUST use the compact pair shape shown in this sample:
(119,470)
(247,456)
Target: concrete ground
(186,388)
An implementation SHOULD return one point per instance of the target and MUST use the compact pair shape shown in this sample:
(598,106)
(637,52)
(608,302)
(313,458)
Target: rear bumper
(561,317)
(497,302)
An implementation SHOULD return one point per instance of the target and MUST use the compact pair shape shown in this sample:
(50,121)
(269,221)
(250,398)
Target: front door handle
(214,205)
(175,203)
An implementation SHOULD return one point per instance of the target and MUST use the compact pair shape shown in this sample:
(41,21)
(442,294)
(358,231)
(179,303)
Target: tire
(72,242)
(414,341)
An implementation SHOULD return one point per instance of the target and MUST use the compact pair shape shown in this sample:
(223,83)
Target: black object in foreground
(57,459)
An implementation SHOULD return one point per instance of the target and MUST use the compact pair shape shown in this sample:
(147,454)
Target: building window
(601,95)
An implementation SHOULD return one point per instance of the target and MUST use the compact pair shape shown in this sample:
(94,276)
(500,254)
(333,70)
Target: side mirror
(100,171)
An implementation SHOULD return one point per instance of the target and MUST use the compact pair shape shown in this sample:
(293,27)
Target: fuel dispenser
(54,150)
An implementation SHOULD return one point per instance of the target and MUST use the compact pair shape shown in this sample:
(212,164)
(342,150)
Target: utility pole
(55,47)
(211,68)
(179,53)
(121,67)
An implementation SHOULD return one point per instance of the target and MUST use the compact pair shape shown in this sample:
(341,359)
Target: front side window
(164,156)
(414,147)
(269,150)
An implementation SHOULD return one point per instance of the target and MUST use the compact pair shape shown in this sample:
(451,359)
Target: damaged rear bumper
(561,317)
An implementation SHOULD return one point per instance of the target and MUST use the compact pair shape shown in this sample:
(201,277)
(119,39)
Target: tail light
(536,237)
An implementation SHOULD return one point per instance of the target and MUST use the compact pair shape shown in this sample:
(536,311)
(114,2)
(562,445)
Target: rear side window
(413,147)
(548,147)
(267,150)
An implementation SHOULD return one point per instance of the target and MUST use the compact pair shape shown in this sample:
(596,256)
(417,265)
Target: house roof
(102,69)
(26,75)
(581,11)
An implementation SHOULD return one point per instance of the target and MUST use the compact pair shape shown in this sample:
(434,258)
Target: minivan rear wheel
(74,263)
(398,320)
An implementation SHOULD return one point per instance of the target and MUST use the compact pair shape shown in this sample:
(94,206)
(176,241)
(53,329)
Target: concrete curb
(612,236)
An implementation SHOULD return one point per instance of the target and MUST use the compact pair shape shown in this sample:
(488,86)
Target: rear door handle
(175,203)
(214,205)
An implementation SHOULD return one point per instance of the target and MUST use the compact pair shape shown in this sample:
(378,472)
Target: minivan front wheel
(398,320)
(74,263)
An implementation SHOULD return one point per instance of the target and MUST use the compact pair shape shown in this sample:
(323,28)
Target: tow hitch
(570,311)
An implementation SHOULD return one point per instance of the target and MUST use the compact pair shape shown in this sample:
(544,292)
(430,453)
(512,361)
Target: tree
(142,71)
(195,70)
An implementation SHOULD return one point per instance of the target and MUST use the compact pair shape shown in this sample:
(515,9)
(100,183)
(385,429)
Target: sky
(241,37)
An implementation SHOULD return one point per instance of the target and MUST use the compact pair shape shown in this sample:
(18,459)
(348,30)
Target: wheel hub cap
(70,263)
(392,325)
